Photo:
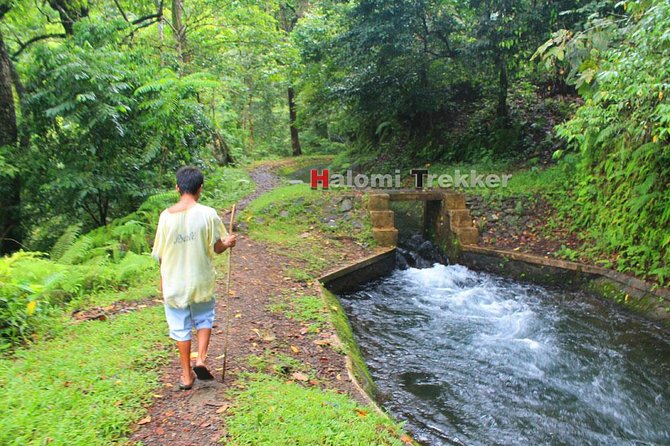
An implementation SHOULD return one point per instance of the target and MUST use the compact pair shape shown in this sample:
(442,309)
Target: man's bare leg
(185,359)
(203,344)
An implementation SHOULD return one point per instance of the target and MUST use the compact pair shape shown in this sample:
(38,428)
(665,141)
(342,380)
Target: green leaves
(622,134)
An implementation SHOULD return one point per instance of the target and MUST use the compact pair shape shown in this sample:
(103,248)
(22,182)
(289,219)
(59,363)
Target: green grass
(309,310)
(298,274)
(85,387)
(269,412)
(142,291)
(288,220)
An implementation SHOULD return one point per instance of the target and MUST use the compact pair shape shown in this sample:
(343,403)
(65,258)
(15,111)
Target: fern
(158,202)
(134,268)
(65,241)
(78,251)
(132,236)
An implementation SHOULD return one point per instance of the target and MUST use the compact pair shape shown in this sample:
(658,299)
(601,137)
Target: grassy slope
(289,219)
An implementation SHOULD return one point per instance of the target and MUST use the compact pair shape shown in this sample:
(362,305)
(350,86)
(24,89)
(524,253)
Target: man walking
(187,237)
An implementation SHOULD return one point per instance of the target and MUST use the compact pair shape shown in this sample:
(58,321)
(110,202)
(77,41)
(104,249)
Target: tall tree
(179,30)
(289,14)
(10,187)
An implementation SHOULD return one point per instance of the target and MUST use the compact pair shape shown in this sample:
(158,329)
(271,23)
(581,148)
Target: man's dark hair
(189,180)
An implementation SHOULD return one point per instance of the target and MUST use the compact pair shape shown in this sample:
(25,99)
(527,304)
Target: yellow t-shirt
(184,245)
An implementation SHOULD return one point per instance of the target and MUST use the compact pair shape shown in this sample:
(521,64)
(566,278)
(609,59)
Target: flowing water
(469,358)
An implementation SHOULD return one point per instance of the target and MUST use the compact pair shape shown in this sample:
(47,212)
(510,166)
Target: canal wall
(345,279)
(635,294)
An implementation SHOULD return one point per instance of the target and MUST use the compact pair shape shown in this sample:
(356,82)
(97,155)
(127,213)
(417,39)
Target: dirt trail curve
(180,418)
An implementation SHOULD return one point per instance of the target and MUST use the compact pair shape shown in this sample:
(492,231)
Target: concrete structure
(446,218)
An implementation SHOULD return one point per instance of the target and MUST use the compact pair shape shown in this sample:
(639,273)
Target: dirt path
(180,418)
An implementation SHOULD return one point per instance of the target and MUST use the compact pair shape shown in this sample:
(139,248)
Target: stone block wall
(446,217)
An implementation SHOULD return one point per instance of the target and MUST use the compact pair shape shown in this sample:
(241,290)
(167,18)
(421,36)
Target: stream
(468,358)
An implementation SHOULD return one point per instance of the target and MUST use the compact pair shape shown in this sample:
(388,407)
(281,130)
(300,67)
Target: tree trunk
(221,150)
(502,110)
(295,137)
(10,188)
(70,12)
(179,30)
(161,33)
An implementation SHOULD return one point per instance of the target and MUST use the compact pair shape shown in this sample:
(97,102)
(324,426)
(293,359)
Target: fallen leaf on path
(145,420)
(221,356)
(406,439)
(160,431)
(300,376)
(238,315)
(222,409)
(295,349)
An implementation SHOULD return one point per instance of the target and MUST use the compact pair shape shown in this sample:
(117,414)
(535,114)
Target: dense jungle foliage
(102,100)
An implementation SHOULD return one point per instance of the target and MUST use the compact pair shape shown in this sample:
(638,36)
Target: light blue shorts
(182,320)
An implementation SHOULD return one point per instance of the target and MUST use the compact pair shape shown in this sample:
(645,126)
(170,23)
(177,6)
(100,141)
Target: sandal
(202,373)
(183,386)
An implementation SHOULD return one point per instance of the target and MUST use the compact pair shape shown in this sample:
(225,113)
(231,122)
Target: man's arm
(228,242)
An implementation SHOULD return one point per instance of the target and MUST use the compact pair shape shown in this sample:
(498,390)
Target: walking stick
(226,319)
